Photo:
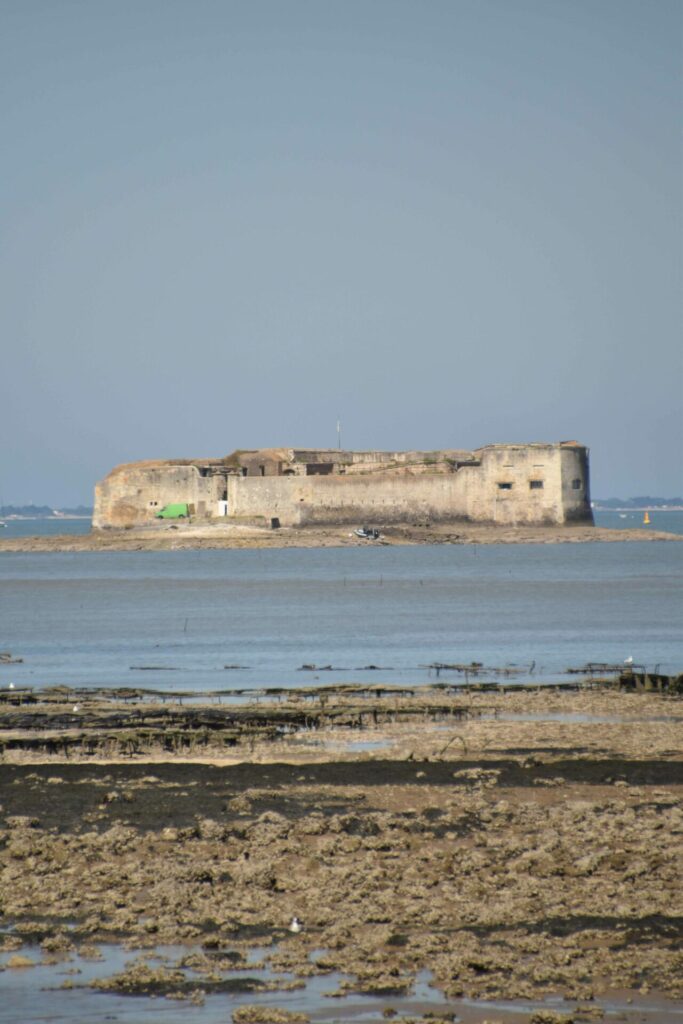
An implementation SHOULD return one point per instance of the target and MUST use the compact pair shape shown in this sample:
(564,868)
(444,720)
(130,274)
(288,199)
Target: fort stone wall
(515,484)
(505,484)
(575,483)
(375,498)
(133,494)
(508,485)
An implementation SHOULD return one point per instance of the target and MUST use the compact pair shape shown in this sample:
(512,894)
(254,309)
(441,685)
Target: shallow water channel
(57,989)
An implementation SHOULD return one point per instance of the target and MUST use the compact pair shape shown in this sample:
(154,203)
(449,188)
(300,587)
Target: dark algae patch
(182,791)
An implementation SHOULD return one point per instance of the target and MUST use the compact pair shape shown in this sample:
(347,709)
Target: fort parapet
(505,484)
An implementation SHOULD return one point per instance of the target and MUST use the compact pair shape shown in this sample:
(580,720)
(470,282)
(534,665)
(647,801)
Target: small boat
(368,533)
(7,658)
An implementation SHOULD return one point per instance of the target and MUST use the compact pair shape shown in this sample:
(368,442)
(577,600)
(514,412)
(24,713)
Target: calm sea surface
(669,520)
(96,618)
(42,527)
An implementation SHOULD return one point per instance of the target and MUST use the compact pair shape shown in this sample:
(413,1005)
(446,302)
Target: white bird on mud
(11,686)
(77,707)
(629,660)
(295,925)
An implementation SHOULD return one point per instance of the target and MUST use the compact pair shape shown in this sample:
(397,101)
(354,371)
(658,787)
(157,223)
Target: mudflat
(218,536)
(518,844)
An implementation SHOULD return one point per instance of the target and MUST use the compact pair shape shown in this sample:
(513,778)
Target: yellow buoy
(646,519)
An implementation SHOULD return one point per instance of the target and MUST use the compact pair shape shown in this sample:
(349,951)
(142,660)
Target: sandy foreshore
(518,845)
(221,536)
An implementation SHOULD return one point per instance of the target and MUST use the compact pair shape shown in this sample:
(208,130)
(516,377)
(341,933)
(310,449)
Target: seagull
(11,686)
(77,707)
(629,660)
(295,925)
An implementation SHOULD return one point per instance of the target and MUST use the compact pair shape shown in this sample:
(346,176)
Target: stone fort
(500,483)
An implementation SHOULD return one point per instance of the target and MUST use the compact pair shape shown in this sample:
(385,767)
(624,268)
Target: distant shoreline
(639,508)
(191,536)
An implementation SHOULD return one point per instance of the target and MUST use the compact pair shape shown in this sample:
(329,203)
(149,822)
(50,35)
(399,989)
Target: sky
(446,223)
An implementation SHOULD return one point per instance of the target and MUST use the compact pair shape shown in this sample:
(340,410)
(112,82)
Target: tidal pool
(38,994)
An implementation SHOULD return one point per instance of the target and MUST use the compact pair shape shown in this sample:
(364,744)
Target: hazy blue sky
(224,223)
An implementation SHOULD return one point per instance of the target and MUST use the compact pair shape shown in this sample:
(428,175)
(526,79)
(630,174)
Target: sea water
(43,527)
(667,520)
(175,619)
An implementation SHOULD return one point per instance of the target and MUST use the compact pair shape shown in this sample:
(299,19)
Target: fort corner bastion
(506,484)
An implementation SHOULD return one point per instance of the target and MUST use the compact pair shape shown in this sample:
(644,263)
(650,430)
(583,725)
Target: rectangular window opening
(576,484)
(536,485)
(505,486)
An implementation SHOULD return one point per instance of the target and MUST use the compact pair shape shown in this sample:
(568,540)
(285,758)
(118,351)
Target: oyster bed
(516,845)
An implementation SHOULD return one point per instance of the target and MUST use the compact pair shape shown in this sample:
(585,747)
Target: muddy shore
(517,845)
(219,536)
